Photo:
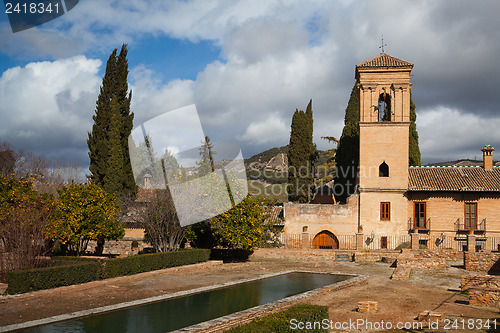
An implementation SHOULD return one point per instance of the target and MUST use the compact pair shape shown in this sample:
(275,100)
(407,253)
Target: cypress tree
(414,150)
(127,118)
(108,142)
(301,154)
(113,178)
(347,156)
(97,141)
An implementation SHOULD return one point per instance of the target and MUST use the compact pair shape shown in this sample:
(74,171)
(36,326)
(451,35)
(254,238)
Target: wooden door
(325,240)
(420,215)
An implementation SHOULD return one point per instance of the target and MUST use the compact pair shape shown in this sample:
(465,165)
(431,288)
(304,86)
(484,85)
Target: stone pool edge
(119,306)
(245,316)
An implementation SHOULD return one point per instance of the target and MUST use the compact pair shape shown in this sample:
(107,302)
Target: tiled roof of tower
(454,179)
(384,60)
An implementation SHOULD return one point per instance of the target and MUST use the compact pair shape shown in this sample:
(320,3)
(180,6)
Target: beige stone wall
(381,142)
(370,213)
(338,219)
(136,233)
(444,209)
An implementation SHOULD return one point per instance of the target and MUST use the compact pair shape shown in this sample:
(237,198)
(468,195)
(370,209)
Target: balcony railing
(478,228)
(414,226)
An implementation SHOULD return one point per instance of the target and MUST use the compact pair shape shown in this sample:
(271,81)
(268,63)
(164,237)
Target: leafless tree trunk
(22,237)
(161,223)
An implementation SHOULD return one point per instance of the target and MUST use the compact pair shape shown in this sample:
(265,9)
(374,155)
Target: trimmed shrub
(75,270)
(407,245)
(230,255)
(52,277)
(154,261)
(281,321)
(404,245)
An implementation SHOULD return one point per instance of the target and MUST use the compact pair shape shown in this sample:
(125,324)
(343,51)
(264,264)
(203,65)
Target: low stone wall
(451,255)
(421,259)
(368,256)
(482,289)
(292,254)
(487,262)
(120,247)
(479,281)
(448,255)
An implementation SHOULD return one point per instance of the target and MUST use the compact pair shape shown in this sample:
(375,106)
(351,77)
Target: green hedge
(52,277)
(76,270)
(282,321)
(154,261)
(230,255)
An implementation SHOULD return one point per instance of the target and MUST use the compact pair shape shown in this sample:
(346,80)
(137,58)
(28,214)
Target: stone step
(401,273)
(342,257)
(367,306)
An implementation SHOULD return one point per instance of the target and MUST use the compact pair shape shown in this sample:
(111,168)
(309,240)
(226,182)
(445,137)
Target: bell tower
(384,119)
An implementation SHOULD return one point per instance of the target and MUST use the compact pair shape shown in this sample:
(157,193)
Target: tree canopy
(347,155)
(85,213)
(301,156)
(108,141)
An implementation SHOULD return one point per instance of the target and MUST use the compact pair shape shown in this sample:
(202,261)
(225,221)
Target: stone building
(438,206)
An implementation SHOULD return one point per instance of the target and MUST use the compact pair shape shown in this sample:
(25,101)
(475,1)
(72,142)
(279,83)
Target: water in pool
(176,313)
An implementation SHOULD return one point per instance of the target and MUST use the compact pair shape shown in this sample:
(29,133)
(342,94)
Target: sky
(247,65)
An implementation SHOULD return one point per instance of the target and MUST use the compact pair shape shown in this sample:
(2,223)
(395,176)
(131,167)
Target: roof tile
(454,179)
(384,60)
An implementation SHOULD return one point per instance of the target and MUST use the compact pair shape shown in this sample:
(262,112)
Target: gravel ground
(398,301)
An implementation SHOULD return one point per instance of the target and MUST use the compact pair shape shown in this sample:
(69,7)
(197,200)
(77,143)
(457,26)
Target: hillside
(266,156)
(271,166)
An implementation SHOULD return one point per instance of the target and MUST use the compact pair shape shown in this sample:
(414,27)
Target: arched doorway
(325,240)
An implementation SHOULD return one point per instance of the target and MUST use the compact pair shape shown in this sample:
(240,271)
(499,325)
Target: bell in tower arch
(384,106)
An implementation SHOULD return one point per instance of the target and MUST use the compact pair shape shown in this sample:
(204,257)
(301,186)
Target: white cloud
(151,98)
(446,134)
(261,38)
(49,104)
(273,130)
(36,43)
(279,54)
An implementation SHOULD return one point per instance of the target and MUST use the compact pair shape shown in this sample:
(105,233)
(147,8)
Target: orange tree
(85,213)
(241,226)
(24,215)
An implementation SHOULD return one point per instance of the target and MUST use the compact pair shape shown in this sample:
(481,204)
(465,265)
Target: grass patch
(288,320)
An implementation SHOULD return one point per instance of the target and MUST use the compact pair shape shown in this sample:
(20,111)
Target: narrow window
(420,213)
(383,242)
(383,170)
(470,215)
(384,106)
(385,211)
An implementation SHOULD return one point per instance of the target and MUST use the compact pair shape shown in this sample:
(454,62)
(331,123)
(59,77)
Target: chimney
(147,181)
(488,157)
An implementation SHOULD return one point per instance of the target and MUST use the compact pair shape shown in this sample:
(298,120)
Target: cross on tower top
(382,46)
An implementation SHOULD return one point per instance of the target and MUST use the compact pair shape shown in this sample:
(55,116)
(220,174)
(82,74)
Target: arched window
(383,170)
(384,106)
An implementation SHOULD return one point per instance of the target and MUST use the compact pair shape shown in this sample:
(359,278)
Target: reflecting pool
(176,313)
